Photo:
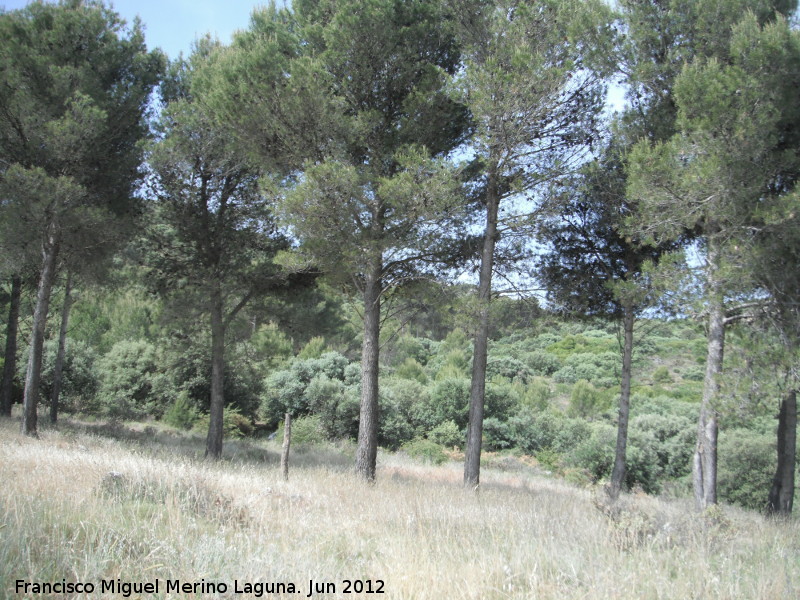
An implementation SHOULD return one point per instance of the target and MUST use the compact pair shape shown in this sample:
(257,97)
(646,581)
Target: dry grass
(83,506)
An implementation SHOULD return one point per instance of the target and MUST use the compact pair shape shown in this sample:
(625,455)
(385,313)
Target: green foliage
(542,362)
(127,377)
(400,404)
(325,385)
(425,450)
(181,414)
(306,431)
(411,369)
(234,424)
(508,367)
(497,434)
(447,434)
(746,466)
(448,401)
(586,401)
(536,395)
(313,349)
(595,454)
(662,375)
(79,383)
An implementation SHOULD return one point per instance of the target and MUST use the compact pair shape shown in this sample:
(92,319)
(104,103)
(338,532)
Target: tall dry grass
(81,506)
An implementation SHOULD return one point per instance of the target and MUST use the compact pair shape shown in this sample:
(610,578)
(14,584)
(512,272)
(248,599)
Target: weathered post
(287,440)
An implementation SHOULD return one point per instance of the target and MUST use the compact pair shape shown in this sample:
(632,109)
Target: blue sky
(173,25)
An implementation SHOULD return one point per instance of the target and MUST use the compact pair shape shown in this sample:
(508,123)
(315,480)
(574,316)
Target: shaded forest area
(416,225)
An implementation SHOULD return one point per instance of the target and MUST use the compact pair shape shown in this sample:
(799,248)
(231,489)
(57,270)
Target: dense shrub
(542,362)
(508,367)
(671,437)
(497,435)
(585,400)
(291,390)
(79,381)
(548,430)
(425,450)
(336,404)
(181,414)
(127,375)
(411,369)
(448,435)
(596,455)
(448,401)
(234,424)
(400,402)
(746,466)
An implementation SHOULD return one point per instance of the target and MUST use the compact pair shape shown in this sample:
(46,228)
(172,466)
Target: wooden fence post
(287,440)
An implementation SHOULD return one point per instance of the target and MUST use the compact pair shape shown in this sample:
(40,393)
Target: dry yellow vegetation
(82,507)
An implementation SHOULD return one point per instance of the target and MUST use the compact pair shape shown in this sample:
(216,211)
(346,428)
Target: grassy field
(134,507)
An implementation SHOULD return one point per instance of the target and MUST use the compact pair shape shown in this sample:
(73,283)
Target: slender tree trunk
(704,469)
(618,473)
(214,439)
(781,495)
(34,371)
(367,451)
(10,365)
(472,454)
(58,368)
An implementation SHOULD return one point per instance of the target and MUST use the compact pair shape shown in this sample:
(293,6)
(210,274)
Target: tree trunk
(287,442)
(367,452)
(58,368)
(214,439)
(704,468)
(10,365)
(618,473)
(472,454)
(34,372)
(781,496)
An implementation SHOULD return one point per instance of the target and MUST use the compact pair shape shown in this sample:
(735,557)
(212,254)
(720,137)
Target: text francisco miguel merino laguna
(126,589)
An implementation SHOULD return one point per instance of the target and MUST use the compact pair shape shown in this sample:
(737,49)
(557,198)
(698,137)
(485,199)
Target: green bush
(320,385)
(508,367)
(79,377)
(536,395)
(542,362)
(127,374)
(747,462)
(662,375)
(586,400)
(425,450)
(234,424)
(447,434)
(548,430)
(400,400)
(596,455)
(448,401)
(306,431)
(672,438)
(181,414)
(497,435)
(411,369)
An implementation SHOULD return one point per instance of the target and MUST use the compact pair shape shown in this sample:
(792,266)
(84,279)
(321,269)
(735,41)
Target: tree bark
(10,365)
(618,473)
(215,421)
(34,371)
(477,395)
(781,495)
(58,368)
(367,451)
(704,468)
